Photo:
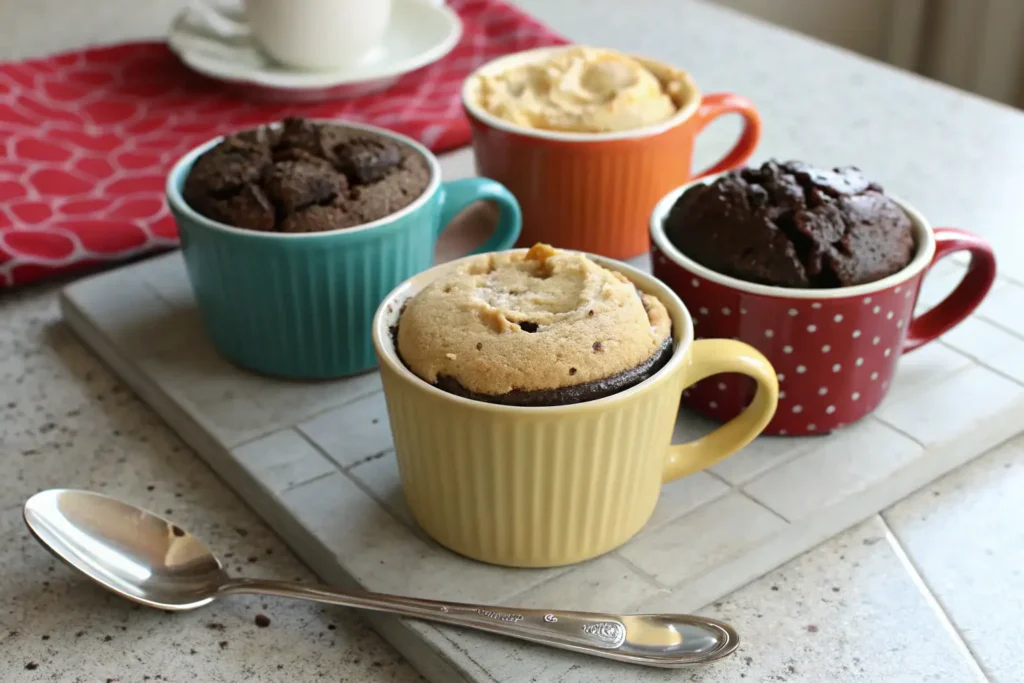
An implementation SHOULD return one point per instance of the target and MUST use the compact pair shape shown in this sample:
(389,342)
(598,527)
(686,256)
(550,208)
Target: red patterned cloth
(88,136)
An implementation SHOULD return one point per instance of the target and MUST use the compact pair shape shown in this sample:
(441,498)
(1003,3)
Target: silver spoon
(145,558)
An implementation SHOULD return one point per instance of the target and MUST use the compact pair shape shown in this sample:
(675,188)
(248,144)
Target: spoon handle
(661,640)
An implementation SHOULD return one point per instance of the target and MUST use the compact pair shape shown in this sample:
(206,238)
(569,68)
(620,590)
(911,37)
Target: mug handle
(710,357)
(981,273)
(458,194)
(217,21)
(717,104)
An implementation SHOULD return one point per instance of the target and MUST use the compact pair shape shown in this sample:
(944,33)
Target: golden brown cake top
(529,321)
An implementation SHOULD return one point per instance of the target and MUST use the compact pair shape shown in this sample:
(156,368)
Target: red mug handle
(717,104)
(981,273)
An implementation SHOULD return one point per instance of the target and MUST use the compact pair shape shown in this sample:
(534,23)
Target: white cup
(318,34)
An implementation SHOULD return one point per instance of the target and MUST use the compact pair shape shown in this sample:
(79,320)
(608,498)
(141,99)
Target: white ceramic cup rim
(924,240)
(280,41)
(470,84)
(178,203)
(390,309)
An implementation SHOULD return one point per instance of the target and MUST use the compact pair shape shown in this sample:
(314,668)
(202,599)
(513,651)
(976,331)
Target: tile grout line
(765,506)
(1011,279)
(296,425)
(303,483)
(651,581)
(346,472)
(796,452)
(981,362)
(995,323)
(877,412)
(932,600)
(899,431)
(156,292)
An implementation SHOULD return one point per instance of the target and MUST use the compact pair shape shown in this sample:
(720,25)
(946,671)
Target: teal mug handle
(458,194)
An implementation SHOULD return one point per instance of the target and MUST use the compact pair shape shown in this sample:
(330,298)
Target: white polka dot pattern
(833,357)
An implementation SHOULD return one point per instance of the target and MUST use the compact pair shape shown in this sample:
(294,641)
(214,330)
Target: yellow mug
(543,487)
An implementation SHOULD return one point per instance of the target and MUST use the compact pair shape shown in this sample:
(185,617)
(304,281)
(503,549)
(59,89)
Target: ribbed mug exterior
(589,197)
(301,306)
(550,486)
(531,489)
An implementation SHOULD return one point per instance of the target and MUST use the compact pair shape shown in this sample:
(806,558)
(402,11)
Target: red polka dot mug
(835,350)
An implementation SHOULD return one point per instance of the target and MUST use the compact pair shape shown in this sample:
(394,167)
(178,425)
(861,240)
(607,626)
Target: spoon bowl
(146,558)
(129,551)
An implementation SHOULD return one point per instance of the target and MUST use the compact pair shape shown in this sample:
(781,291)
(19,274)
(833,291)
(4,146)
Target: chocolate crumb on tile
(262,620)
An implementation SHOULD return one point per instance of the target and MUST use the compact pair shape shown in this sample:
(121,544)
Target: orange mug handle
(716,104)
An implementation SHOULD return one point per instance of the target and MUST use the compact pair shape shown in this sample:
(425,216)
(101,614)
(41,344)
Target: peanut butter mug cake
(533,394)
(542,328)
(585,90)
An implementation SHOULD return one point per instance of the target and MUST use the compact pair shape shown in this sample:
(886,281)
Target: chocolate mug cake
(793,225)
(540,328)
(305,176)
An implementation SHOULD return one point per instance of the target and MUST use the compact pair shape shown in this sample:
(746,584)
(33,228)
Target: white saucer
(420,33)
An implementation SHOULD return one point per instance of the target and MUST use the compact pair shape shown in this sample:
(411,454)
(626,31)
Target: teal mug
(301,305)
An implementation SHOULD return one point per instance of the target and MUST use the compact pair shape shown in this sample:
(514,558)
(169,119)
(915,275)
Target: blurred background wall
(975,45)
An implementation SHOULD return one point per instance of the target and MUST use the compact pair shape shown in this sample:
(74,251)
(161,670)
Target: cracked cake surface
(540,327)
(793,225)
(305,176)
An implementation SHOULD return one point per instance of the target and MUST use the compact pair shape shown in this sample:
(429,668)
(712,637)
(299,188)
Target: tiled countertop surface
(930,590)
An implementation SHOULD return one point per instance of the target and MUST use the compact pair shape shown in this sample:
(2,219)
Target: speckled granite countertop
(930,590)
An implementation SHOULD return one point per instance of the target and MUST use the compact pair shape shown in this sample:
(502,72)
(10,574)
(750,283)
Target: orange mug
(594,192)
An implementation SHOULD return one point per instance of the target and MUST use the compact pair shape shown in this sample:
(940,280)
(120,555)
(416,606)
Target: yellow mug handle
(709,357)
